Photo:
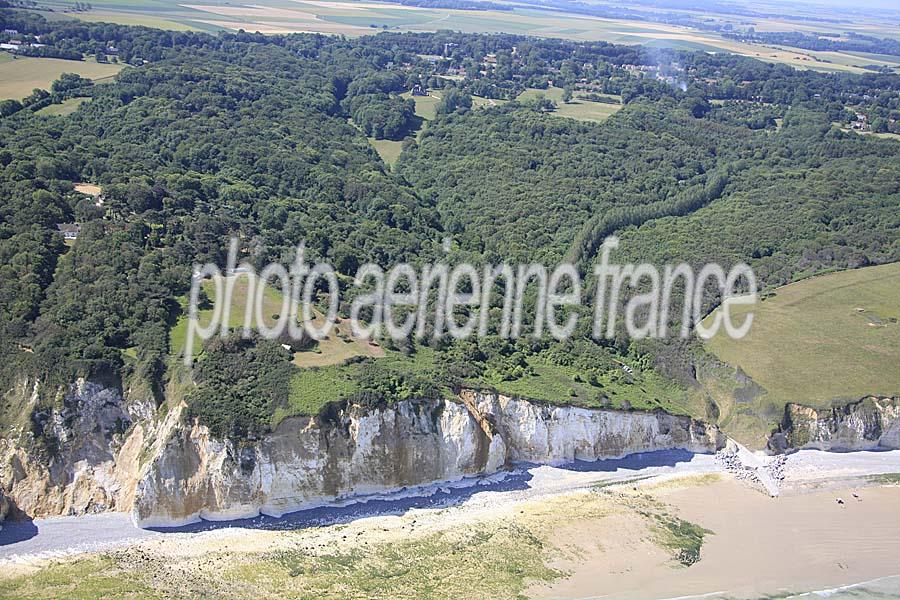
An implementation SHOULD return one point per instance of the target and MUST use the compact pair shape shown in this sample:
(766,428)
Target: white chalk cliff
(867,424)
(116,455)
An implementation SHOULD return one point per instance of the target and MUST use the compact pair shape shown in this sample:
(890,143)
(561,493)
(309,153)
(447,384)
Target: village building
(69,231)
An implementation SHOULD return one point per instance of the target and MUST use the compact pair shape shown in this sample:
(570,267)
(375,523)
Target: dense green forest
(264,137)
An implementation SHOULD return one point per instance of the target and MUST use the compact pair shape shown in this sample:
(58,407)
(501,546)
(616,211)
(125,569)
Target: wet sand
(761,546)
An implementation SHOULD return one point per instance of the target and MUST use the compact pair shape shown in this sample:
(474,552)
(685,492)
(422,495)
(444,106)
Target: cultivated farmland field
(20,76)
(833,337)
(348,17)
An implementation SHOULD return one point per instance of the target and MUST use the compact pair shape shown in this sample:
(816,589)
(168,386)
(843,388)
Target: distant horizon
(760,6)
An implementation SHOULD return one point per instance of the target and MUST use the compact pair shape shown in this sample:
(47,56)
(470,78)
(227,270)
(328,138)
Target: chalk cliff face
(76,457)
(869,423)
(543,433)
(4,508)
(99,451)
(308,461)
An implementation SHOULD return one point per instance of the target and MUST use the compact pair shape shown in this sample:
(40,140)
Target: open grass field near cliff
(833,337)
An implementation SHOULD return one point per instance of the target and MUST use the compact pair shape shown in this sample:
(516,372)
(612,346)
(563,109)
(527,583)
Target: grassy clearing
(388,150)
(311,389)
(335,349)
(832,337)
(479,102)
(320,383)
(426,110)
(313,386)
(272,306)
(89,189)
(67,107)
(578,108)
(883,136)
(426,106)
(20,76)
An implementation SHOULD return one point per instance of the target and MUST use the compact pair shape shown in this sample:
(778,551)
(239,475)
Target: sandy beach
(760,546)
(616,529)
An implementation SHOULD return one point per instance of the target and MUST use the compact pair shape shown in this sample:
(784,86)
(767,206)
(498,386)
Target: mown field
(426,109)
(832,337)
(388,150)
(18,77)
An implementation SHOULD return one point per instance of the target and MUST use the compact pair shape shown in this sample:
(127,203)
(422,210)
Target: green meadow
(20,75)
(834,337)
(66,107)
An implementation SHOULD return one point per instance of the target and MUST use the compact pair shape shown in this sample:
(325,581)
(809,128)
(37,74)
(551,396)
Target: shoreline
(799,544)
(591,516)
(523,481)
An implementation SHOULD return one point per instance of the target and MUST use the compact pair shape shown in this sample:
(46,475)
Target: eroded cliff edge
(108,453)
(97,447)
(359,450)
(870,423)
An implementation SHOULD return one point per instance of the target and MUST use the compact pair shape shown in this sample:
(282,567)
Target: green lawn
(388,150)
(426,106)
(272,303)
(832,337)
(335,349)
(578,108)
